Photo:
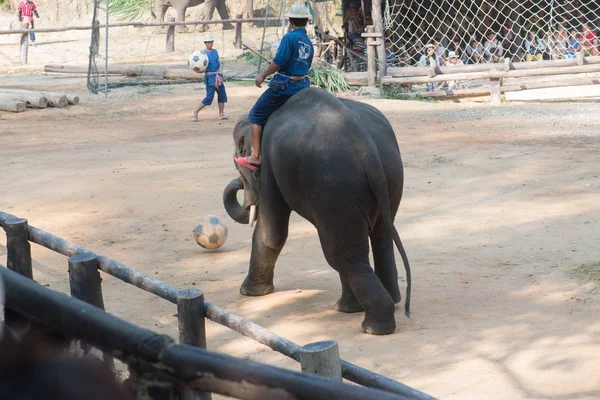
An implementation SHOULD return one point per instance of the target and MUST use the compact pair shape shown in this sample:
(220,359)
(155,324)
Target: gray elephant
(336,163)
(180,6)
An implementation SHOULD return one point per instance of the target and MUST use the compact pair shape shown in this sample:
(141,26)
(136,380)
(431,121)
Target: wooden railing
(192,309)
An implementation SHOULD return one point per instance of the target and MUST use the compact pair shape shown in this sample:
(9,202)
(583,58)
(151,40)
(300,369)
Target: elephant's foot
(348,304)
(228,26)
(202,28)
(181,29)
(249,288)
(372,327)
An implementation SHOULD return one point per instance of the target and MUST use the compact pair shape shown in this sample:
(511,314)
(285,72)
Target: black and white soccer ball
(211,233)
(198,61)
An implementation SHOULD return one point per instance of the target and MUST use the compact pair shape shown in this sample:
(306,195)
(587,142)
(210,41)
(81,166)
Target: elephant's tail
(378,183)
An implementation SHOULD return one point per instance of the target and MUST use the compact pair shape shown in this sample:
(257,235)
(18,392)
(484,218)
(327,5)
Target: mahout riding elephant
(180,6)
(336,163)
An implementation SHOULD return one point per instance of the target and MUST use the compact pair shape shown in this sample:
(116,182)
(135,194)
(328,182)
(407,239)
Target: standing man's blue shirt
(213,66)
(294,57)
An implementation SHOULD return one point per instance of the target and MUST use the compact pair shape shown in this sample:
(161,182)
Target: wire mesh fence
(135,48)
(487,31)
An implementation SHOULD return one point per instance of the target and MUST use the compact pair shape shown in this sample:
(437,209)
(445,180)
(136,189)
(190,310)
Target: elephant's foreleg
(385,263)
(347,302)
(223,13)
(160,10)
(269,237)
(180,18)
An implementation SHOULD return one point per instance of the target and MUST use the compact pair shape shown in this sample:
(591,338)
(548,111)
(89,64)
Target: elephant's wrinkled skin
(337,164)
(180,6)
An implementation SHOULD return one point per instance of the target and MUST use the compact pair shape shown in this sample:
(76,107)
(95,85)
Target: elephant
(180,6)
(336,163)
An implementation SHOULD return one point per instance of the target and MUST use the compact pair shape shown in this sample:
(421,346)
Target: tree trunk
(321,21)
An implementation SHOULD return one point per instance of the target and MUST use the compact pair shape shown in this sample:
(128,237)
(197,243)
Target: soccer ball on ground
(198,61)
(210,233)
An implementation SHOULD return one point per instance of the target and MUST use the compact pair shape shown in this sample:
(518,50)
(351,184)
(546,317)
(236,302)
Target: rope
(453,25)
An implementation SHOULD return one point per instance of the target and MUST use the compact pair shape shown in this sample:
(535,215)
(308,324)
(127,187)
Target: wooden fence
(502,77)
(130,343)
(170,34)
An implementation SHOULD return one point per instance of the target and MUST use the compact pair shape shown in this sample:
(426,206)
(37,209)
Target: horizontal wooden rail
(233,321)
(204,370)
(402,72)
(493,74)
(138,25)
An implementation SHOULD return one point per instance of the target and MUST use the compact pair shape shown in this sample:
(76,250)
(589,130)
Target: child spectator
(213,79)
(26,9)
(475,52)
(534,47)
(589,43)
(430,59)
(453,61)
(574,45)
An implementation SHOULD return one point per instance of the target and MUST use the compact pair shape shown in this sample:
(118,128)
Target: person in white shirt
(493,48)
(475,52)
(429,59)
(453,61)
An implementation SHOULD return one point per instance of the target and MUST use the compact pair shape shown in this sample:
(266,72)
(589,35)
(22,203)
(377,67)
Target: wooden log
(86,285)
(54,99)
(321,358)
(357,78)
(171,36)
(401,72)
(12,106)
(371,60)
(556,94)
(32,100)
(247,328)
(238,33)
(192,331)
(494,74)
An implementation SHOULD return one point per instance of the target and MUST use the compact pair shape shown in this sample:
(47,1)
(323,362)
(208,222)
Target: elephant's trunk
(239,213)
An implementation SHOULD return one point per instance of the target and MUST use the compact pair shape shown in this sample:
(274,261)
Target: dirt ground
(499,205)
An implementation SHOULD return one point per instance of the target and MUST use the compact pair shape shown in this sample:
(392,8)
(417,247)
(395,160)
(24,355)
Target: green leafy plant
(249,57)
(394,92)
(130,9)
(330,79)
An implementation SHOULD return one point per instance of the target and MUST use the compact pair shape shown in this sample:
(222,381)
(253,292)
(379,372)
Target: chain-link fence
(484,31)
(137,49)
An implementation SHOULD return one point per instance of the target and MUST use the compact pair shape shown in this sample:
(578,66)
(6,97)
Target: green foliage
(588,272)
(394,92)
(250,58)
(330,79)
(130,9)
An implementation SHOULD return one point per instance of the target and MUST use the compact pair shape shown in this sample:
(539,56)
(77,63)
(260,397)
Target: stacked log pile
(18,100)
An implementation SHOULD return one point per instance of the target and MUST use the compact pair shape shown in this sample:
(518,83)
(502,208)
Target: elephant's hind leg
(347,302)
(347,251)
(269,237)
(385,263)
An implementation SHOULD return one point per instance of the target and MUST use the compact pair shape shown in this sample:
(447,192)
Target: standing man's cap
(297,10)
(208,38)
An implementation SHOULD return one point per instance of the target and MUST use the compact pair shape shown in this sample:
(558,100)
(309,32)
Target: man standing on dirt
(26,10)
(290,65)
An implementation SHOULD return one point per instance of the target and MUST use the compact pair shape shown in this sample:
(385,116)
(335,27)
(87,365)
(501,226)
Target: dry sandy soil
(500,204)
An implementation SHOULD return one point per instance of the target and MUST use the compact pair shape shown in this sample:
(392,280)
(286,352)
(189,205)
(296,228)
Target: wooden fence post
(371,58)
(86,285)
(238,33)
(321,358)
(18,259)
(192,329)
(171,36)
(24,49)
(18,256)
(495,90)
(376,12)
